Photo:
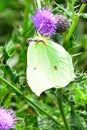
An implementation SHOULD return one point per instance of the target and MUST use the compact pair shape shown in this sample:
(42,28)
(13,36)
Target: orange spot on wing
(34,68)
(55,67)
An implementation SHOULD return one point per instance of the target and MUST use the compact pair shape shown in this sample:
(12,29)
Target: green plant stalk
(59,99)
(28,3)
(38,4)
(31,103)
(70,7)
(33,2)
(26,12)
(74,23)
(62,9)
(47,2)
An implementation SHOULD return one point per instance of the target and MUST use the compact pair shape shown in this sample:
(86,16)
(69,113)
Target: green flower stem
(59,99)
(74,23)
(38,4)
(26,13)
(70,8)
(31,102)
(47,2)
(62,9)
(27,10)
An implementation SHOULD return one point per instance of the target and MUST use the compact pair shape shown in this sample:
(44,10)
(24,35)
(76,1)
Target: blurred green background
(15,28)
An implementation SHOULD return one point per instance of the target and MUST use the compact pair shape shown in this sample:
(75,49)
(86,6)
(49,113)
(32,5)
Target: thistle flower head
(62,23)
(84,1)
(44,21)
(7,119)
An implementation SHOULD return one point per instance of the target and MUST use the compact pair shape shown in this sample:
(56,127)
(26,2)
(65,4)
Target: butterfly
(48,65)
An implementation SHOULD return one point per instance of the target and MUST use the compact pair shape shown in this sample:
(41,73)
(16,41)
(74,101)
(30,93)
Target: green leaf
(46,124)
(84,15)
(76,121)
(10,48)
(1,51)
(48,65)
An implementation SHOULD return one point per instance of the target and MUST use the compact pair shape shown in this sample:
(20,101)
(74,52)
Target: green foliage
(43,113)
(10,48)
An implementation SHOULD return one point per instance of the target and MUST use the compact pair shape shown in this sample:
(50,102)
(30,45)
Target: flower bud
(84,1)
(62,23)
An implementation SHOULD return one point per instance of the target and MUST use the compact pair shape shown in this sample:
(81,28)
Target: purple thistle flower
(7,119)
(44,21)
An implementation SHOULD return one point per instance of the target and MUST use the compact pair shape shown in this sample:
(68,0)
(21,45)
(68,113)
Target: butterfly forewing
(48,66)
